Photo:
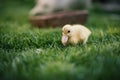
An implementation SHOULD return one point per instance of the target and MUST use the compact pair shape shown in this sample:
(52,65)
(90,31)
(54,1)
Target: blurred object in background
(50,6)
(60,19)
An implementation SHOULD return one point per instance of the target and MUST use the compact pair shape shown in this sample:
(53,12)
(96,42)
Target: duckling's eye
(69,31)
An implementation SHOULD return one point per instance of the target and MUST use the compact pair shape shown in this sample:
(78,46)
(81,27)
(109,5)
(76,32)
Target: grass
(28,53)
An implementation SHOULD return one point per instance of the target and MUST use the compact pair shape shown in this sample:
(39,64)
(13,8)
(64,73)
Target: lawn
(28,53)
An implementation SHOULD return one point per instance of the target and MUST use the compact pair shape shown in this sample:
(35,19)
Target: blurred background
(20,9)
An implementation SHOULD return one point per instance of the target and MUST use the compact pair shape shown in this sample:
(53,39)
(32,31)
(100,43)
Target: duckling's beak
(64,39)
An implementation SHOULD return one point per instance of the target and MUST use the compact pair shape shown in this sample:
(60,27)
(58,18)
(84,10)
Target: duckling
(75,34)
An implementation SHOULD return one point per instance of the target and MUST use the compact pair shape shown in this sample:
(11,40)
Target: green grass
(21,60)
